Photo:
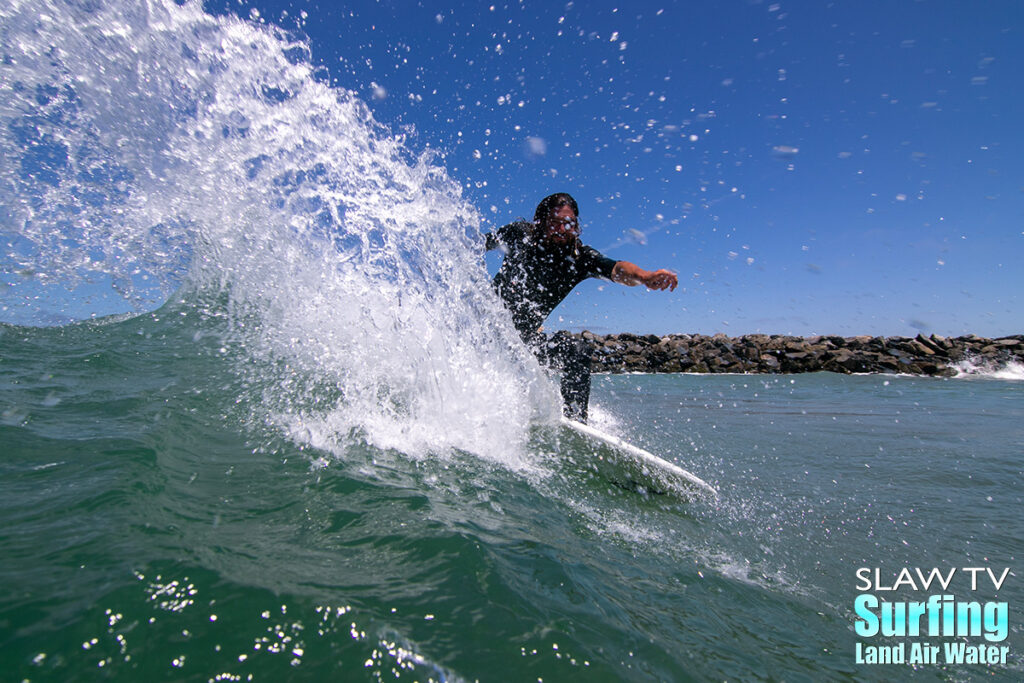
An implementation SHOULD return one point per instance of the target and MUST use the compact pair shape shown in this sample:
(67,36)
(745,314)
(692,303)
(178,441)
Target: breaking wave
(153,150)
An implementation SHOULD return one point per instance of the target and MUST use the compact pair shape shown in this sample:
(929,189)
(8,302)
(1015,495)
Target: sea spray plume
(89,105)
(153,144)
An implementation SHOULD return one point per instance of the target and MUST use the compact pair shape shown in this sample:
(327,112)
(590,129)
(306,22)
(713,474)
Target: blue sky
(807,168)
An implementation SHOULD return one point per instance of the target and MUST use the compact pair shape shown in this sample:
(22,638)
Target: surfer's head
(553,202)
(557,219)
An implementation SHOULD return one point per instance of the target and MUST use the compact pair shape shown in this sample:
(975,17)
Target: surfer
(543,261)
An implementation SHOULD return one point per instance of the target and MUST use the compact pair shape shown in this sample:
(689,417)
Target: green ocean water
(152,529)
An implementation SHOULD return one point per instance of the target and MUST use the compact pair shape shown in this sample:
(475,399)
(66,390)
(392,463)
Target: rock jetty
(762,353)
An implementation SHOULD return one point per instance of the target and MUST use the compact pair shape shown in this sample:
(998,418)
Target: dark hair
(552,202)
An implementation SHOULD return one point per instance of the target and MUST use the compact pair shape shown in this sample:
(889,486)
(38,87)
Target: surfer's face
(562,226)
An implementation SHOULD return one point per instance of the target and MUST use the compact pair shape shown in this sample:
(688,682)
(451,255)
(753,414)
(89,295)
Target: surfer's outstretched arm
(630,274)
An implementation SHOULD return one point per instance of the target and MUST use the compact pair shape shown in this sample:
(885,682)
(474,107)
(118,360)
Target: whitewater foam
(151,147)
(980,367)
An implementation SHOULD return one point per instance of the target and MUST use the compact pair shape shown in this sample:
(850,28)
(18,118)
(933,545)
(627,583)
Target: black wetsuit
(533,279)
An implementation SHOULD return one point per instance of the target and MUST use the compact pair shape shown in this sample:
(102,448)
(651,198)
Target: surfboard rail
(647,461)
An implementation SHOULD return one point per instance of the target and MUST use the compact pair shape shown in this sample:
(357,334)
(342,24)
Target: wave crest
(149,146)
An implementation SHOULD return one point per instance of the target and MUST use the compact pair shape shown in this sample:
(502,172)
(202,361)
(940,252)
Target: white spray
(147,145)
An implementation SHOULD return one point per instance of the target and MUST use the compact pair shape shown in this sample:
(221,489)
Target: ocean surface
(318,451)
(151,529)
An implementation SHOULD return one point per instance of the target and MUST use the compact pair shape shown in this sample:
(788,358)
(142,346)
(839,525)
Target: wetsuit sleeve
(596,264)
(503,236)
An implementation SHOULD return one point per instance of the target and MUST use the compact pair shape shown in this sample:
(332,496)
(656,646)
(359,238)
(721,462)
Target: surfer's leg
(572,357)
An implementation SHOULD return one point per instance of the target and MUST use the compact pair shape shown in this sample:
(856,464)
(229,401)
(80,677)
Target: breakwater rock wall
(762,353)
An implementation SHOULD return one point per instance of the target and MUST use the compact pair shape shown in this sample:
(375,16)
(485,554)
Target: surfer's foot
(574,412)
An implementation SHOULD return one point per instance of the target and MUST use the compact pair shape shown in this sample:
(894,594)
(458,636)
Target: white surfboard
(640,467)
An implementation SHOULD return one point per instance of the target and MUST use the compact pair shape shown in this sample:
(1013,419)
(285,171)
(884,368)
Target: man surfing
(543,262)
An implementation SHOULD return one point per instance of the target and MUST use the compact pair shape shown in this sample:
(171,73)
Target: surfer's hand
(631,274)
(661,279)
